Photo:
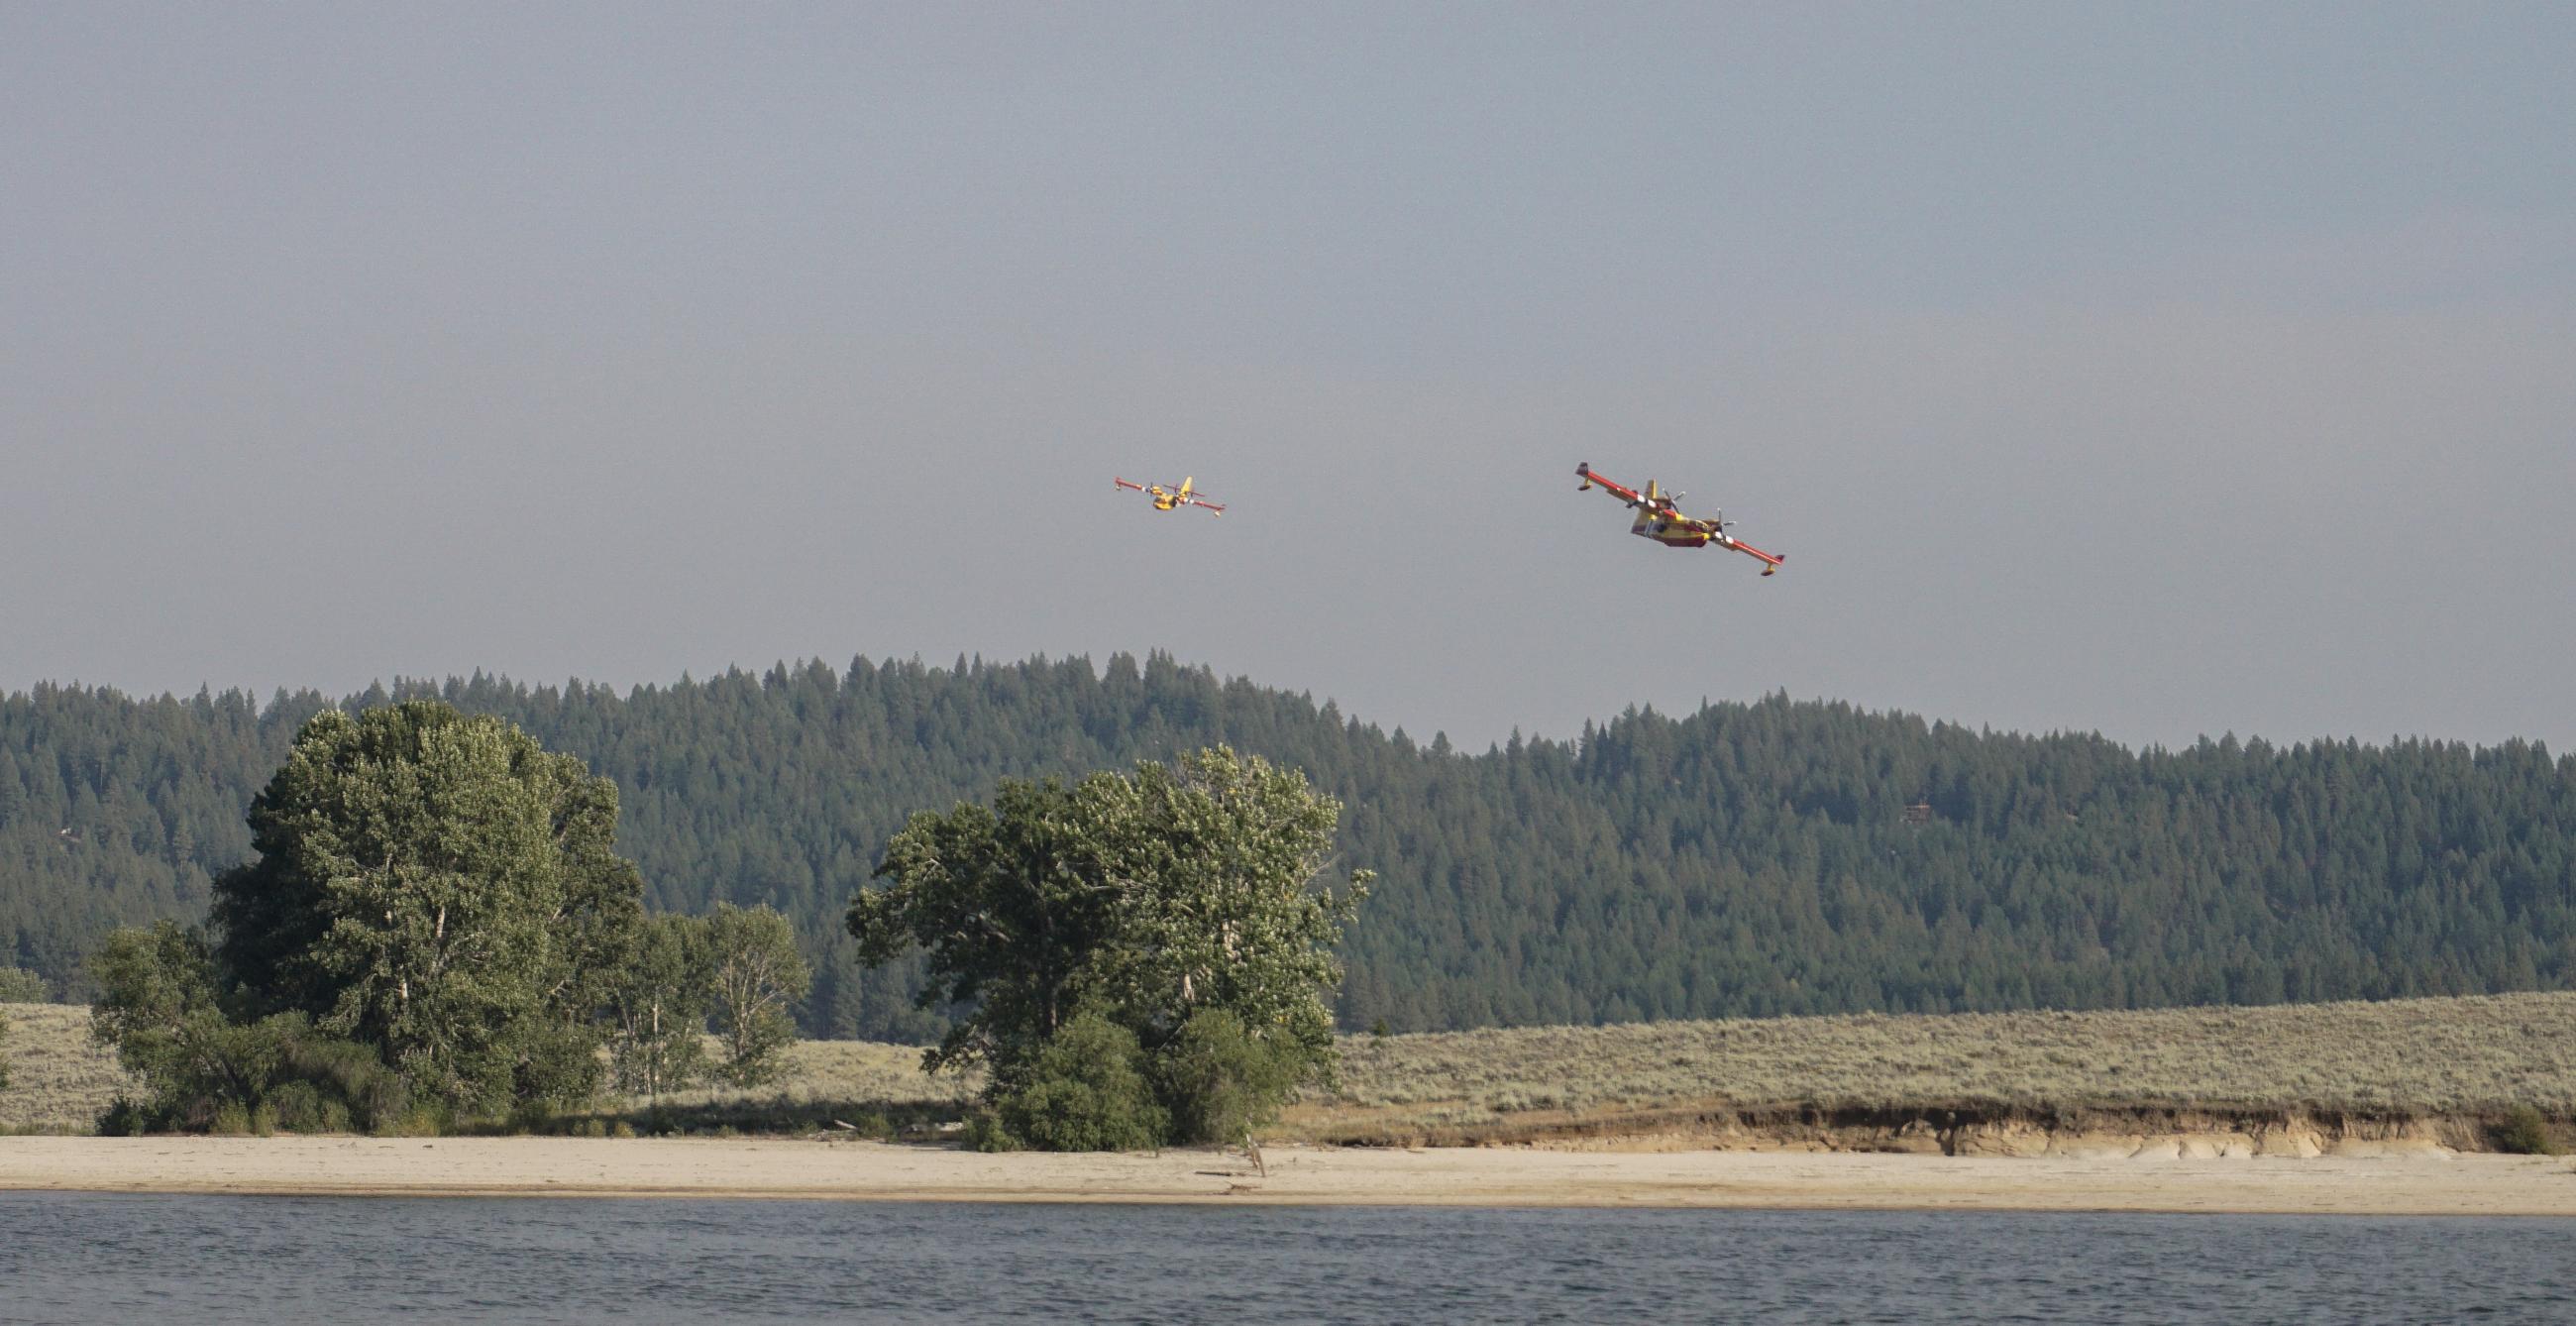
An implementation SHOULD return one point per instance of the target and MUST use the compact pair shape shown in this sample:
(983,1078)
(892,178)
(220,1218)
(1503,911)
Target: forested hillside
(1775,857)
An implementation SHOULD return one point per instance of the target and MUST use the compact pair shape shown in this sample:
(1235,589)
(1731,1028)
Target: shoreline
(2433,1183)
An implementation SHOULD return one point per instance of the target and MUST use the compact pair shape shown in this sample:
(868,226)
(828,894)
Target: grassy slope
(2420,1057)
(58,1081)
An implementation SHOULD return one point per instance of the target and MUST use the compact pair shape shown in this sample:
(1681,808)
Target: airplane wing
(1124,484)
(1617,489)
(1770,561)
(1216,507)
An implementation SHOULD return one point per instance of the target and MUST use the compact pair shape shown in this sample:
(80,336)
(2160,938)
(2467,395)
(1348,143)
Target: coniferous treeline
(1768,858)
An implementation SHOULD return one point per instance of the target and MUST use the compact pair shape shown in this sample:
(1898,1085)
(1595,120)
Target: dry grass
(2408,1057)
(58,1081)
(2420,1057)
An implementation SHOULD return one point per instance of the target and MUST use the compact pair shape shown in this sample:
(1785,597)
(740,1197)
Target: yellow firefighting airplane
(1659,519)
(1170,499)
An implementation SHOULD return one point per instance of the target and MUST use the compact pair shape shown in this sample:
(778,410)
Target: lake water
(68,1258)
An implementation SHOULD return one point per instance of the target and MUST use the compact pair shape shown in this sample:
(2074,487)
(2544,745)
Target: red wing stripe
(1621,490)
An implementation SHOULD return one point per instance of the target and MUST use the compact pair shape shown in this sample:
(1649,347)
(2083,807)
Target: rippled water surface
(98,1258)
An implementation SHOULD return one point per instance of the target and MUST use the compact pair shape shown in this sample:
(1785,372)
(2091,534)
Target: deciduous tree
(754,976)
(1146,899)
(659,1008)
(440,887)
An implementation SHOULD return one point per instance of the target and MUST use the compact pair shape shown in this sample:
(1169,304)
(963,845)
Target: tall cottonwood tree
(440,887)
(1145,899)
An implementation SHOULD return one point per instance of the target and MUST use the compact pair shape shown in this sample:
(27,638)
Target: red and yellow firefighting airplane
(1659,519)
(1169,499)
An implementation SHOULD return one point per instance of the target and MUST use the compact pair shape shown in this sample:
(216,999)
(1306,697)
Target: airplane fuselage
(1670,531)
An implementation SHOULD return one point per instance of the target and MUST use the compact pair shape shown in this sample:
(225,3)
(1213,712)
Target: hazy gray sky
(2161,369)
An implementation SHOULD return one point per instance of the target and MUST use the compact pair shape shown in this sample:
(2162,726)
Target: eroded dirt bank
(1963,1131)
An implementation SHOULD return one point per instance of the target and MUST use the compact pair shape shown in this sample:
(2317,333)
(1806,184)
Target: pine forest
(1776,857)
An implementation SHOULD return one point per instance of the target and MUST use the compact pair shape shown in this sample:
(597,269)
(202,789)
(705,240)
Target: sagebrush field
(2420,1057)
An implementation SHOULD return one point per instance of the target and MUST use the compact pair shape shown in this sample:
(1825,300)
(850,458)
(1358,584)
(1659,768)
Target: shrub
(426,1120)
(984,1132)
(127,1117)
(1085,1090)
(161,1009)
(2523,1132)
(297,1108)
(1218,1081)
(351,1084)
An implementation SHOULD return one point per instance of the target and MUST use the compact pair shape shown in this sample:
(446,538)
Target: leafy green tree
(159,1003)
(754,975)
(440,887)
(658,1007)
(1214,868)
(1145,900)
(1010,902)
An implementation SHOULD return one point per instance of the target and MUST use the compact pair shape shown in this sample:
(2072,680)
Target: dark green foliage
(203,1070)
(2523,1131)
(1009,902)
(441,887)
(1217,1081)
(435,919)
(1085,1089)
(1119,940)
(1748,859)
(1145,898)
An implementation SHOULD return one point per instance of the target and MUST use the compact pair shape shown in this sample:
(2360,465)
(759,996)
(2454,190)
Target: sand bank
(2413,1184)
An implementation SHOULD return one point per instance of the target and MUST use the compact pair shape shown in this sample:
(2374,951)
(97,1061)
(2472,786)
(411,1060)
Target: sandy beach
(867,1171)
